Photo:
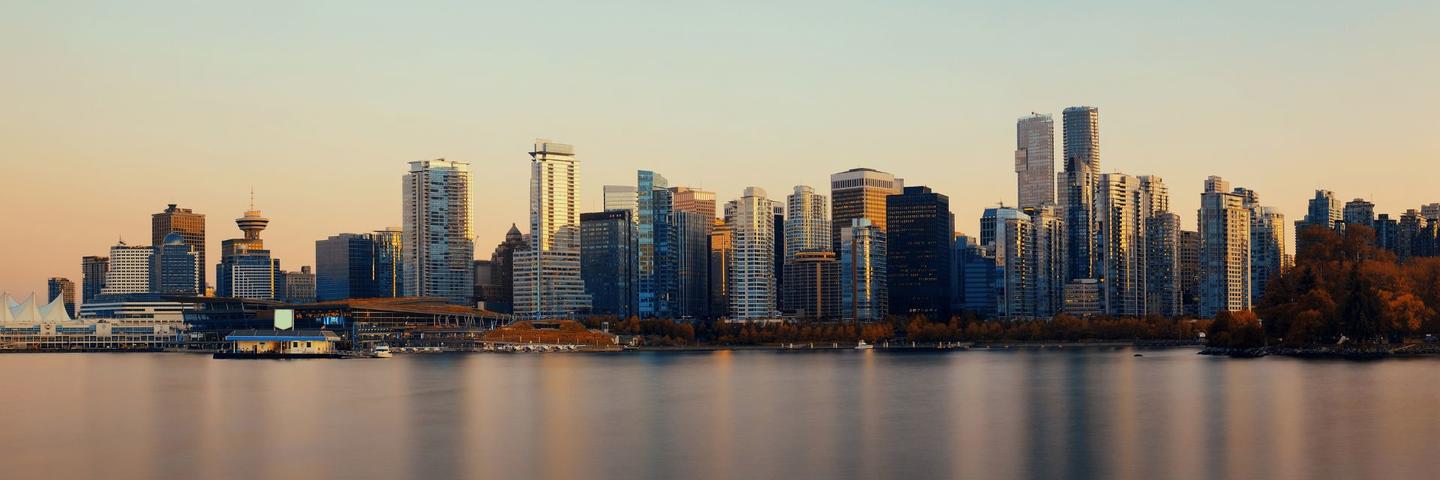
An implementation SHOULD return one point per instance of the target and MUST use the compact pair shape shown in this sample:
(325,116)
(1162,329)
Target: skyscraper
(1048,259)
(693,215)
(620,197)
(1267,248)
(502,271)
(1120,244)
(129,269)
(64,289)
(246,269)
(655,268)
(1007,235)
(810,287)
(389,261)
(1078,183)
(1359,212)
(864,296)
(1035,160)
(190,226)
(93,271)
(437,248)
(860,193)
(721,250)
(1224,250)
(548,283)
(976,277)
(1321,211)
(1189,273)
(607,242)
(918,236)
(691,263)
(1163,271)
(345,267)
(752,265)
(175,267)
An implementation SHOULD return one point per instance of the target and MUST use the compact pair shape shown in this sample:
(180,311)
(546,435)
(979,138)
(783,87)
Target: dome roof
(174,238)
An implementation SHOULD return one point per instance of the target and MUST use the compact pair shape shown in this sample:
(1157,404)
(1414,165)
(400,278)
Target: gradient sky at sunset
(111,110)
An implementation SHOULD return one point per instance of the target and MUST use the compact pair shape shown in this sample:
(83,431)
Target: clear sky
(111,110)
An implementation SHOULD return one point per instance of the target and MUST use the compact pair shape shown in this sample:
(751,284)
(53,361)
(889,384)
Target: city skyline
(326,162)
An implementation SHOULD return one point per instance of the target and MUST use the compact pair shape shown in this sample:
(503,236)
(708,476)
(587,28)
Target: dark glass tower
(607,242)
(1079,182)
(919,229)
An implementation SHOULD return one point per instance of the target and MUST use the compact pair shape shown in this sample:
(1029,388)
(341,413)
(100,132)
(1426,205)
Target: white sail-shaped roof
(55,312)
(27,311)
(10,301)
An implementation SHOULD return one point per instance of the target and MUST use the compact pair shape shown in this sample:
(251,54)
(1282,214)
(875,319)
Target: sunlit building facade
(1035,160)
(548,281)
(1078,183)
(751,269)
(437,245)
(860,193)
(864,296)
(1224,250)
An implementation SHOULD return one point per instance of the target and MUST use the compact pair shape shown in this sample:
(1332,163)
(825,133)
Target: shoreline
(1380,352)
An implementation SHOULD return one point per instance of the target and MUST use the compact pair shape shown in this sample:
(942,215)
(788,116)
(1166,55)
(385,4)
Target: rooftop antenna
(252,197)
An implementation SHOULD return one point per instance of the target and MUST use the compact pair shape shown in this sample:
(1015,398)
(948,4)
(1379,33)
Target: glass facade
(918,236)
(437,247)
(1035,160)
(864,295)
(1078,184)
(607,241)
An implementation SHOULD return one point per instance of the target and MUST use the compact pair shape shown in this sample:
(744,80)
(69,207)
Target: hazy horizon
(114,111)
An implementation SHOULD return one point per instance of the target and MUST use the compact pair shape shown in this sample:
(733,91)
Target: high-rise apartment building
(436,245)
(175,267)
(1359,212)
(752,265)
(1120,244)
(1224,250)
(548,282)
(1047,261)
(860,193)
(93,271)
(1189,273)
(918,234)
(1321,211)
(64,289)
(700,202)
(811,274)
(1078,183)
(607,261)
(864,296)
(1008,237)
(1035,160)
(129,269)
(1163,289)
(190,226)
(1267,248)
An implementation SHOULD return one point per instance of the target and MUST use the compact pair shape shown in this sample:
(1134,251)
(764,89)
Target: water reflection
(1004,414)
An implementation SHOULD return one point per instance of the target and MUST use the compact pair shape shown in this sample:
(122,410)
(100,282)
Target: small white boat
(864,346)
(381,351)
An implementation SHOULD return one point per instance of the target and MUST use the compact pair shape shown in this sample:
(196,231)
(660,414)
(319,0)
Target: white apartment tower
(437,248)
(752,264)
(547,273)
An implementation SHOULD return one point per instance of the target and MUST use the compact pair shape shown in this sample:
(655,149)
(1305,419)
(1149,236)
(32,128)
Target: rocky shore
(1348,353)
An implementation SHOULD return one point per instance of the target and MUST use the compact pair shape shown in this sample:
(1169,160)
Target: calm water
(1098,413)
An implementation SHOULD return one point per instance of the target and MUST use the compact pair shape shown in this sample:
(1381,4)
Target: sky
(111,110)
